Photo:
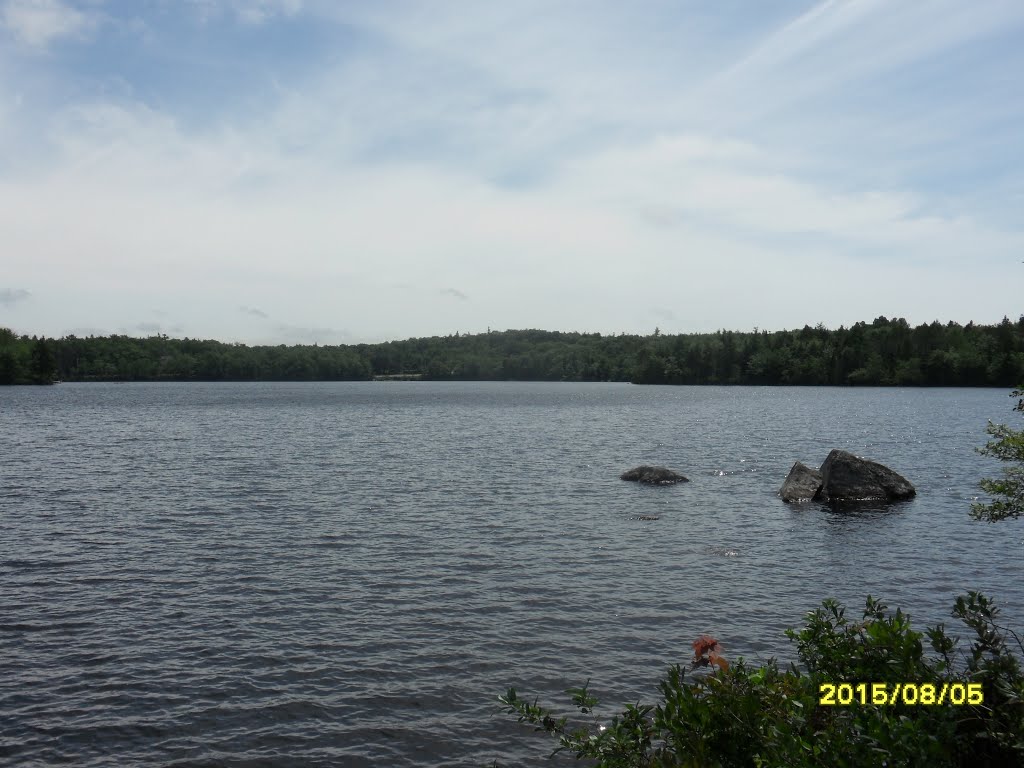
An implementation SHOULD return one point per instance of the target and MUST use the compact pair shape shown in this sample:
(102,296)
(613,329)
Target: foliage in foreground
(1007,492)
(742,715)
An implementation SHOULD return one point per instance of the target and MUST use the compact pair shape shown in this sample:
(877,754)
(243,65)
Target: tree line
(881,353)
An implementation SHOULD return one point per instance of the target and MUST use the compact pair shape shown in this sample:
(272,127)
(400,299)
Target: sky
(300,171)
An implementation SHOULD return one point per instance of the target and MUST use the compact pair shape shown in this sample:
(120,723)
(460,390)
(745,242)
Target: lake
(348,574)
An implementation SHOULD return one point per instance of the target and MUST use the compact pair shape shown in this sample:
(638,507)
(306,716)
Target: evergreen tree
(886,352)
(10,371)
(43,367)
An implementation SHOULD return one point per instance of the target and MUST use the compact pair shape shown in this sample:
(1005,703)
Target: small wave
(38,565)
(62,626)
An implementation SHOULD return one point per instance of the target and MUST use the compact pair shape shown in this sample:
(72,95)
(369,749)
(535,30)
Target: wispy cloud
(40,22)
(11,296)
(820,54)
(254,312)
(247,11)
(455,293)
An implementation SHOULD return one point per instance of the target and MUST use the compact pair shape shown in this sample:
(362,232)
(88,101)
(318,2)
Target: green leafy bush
(1007,492)
(715,714)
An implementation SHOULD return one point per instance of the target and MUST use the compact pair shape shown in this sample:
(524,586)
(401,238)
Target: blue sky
(283,171)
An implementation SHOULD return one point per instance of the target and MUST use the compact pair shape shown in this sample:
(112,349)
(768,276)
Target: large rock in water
(654,475)
(845,477)
(802,483)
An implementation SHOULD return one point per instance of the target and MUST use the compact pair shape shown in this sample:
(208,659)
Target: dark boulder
(654,476)
(845,477)
(802,483)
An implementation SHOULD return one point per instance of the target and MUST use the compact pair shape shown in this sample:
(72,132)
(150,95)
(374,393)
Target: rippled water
(348,574)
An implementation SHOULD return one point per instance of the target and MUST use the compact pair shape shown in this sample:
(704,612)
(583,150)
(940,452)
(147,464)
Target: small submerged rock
(653,476)
(722,551)
(802,483)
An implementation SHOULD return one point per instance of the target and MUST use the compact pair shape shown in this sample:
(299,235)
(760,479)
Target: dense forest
(884,352)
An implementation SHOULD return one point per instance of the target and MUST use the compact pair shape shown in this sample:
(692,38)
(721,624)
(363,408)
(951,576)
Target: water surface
(349,573)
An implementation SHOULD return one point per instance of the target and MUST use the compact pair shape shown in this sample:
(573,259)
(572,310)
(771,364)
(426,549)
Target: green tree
(884,352)
(10,370)
(43,367)
(1008,491)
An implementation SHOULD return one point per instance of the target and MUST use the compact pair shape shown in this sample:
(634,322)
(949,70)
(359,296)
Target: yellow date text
(891,694)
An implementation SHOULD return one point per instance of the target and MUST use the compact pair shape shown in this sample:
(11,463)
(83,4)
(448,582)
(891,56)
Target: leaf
(720,661)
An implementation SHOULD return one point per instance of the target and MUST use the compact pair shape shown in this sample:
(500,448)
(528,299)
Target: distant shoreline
(883,353)
(402,379)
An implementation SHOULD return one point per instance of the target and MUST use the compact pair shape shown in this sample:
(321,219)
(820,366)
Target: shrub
(1007,492)
(715,714)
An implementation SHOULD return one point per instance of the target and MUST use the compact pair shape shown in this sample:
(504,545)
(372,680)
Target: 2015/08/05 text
(890,694)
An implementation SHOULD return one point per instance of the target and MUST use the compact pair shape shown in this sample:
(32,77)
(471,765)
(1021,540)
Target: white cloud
(247,11)
(151,215)
(364,192)
(39,22)
(686,182)
(259,11)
